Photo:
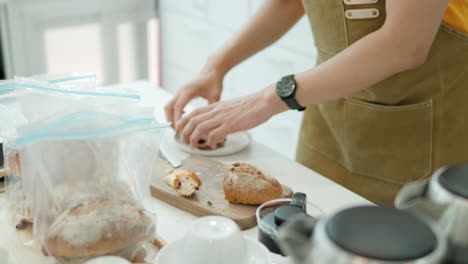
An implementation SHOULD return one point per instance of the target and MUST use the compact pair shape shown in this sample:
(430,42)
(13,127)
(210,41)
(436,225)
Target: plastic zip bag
(40,100)
(11,116)
(70,80)
(86,176)
(46,97)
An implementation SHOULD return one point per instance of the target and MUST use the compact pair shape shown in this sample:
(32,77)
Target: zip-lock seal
(124,126)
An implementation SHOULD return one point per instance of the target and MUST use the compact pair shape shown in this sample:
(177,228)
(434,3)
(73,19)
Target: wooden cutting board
(209,199)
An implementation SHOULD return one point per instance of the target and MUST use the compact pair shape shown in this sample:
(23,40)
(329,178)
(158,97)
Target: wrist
(218,64)
(272,101)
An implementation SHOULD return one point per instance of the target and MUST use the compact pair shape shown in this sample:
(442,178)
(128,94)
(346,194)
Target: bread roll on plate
(203,142)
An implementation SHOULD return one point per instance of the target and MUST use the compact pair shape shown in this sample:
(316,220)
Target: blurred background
(165,42)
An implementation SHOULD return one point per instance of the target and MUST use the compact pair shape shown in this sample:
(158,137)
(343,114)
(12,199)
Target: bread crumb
(210,203)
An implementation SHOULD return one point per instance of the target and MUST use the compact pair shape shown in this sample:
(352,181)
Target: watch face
(285,87)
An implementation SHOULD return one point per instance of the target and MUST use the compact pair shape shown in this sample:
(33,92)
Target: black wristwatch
(286,90)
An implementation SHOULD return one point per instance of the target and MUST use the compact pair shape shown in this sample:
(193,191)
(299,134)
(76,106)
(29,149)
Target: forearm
(370,60)
(273,19)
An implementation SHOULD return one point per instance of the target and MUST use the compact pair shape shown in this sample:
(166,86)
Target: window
(116,39)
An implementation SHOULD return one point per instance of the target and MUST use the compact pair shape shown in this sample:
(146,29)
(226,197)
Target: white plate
(257,253)
(107,260)
(235,142)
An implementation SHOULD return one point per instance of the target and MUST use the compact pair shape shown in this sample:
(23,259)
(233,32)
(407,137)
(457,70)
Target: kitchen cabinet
(191,30)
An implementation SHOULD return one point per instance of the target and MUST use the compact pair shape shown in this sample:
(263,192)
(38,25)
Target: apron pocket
(391,143)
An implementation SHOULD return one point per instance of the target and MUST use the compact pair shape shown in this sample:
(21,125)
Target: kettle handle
(299,200)
(413,198)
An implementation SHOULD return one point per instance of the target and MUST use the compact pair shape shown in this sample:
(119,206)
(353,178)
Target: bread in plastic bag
(44,97)
(85,177)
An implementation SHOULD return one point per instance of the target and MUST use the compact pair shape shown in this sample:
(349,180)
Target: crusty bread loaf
(185,182)
(245,184)
(98,227)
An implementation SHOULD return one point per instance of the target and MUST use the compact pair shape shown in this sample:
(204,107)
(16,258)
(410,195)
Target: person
(385,105)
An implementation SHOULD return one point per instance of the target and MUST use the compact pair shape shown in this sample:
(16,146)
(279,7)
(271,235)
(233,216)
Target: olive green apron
(397,131)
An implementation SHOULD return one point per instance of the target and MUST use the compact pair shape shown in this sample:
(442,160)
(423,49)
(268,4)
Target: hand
(208,84)
(223,118)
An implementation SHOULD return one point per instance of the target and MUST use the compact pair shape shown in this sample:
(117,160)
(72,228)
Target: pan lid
(381,233)
(455,179)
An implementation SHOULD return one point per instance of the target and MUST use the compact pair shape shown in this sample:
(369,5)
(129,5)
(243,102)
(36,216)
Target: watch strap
(292,103)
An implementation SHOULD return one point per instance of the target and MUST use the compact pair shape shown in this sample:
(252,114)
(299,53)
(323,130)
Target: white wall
(193,29)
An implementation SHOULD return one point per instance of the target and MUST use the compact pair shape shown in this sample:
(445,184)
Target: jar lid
(381,233)
(283,213)
(455,180)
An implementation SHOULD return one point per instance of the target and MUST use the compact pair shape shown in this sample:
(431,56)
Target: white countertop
(172,222)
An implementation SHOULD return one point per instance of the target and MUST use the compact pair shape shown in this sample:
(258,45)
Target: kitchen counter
(172,222)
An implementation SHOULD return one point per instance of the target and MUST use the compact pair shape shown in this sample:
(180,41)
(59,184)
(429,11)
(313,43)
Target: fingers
(180,104)
(169,109)
(192,122)
(181,123)
(215,135)
(175,108)
(201,130)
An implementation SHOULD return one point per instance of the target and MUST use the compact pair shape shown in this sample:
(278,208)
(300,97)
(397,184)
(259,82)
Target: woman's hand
(208,84)
(222,118)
